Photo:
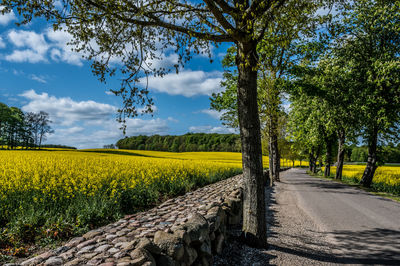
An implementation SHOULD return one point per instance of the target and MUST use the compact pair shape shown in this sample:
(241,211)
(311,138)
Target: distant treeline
(58,146)
(20,129)
(185,143)
(387,154)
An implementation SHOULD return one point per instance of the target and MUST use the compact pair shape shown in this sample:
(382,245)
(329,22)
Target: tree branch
(220,18)
(226,7)
(156,21)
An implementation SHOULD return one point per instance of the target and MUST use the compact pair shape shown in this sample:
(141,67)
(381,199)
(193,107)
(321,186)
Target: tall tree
(370,42)
(280,48)
(43,126)
(134,32)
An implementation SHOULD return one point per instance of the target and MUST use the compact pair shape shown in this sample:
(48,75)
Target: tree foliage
(19,129)
(185,143)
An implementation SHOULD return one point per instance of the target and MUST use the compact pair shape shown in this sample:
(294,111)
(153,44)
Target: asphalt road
(362,228)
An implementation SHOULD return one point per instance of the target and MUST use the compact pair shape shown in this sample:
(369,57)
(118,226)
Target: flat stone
(67,255)
(53,261)
(102,248)
(148,245)
(77,261)
(62,249)
(94,261)
(120,239)
(111,237)
(85,250)
(113,250)
(170,243)
(141,256)
(88,256)
(75,241)
(86,243)
(32,261)
(91,234)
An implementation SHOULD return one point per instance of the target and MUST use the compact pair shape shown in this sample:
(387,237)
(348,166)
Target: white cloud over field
(187,83)
(87,124)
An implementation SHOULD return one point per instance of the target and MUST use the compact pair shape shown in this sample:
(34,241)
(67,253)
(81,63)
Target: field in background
(386,179)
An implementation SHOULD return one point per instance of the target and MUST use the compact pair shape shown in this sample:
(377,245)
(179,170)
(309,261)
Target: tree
(306,126)
(44,126)
(370,42)
(133,31)
(280,48)
(331,82)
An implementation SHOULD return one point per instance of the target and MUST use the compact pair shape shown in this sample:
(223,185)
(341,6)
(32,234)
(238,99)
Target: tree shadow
(368,247)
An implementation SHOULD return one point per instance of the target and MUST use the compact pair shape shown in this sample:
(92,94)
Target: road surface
(361,228)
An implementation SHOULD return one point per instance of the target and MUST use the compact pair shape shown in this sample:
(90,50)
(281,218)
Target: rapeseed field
(56,194)
(386,178)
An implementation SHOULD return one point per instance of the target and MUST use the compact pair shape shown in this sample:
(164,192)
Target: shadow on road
(368,247)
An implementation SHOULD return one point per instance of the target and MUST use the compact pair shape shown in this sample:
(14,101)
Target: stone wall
(186,230)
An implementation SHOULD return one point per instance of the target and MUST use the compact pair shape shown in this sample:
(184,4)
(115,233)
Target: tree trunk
(340,158)
(328,155)
(371,162)
(311,162)
(274,160)
(254,222)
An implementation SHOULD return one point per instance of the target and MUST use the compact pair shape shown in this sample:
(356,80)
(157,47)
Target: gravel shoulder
(312,221)
(294,238)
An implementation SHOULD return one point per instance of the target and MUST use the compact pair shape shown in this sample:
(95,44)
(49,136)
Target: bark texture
(328,156)
(254,223)
(274,156)
(340,157)
(369,171)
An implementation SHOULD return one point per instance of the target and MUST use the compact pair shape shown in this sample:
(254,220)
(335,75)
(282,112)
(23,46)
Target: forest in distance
(192,142)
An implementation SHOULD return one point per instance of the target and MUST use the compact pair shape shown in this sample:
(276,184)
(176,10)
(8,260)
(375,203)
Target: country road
(336,224)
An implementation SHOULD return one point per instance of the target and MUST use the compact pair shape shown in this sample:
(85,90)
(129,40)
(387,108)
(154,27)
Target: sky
(40,72)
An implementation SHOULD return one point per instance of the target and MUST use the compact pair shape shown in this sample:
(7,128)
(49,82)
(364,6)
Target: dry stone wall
(186,230)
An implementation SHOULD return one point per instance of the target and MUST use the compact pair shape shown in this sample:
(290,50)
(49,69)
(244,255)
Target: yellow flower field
(68,192)
(386,178)
(66,173)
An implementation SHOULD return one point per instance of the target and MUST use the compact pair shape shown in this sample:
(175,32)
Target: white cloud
(210,129)
(2,43)
(136,126)
(71,130)
(187,83)
(32,46)
(109,93)
(108,133)
(7,18)
(141,110)
(40,79)
(66,111)
(213,113)
(87,124)
(35,47)
(172,119)
(166,61)
(62,51)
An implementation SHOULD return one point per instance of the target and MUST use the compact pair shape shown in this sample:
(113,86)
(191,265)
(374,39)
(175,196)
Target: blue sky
(40,72)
